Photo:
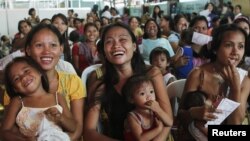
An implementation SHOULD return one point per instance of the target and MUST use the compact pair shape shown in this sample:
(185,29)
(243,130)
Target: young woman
(122,60)
(227,50)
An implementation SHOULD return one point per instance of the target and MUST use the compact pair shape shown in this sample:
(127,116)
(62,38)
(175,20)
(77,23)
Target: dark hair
(134,17)
(134,82)
(87,25)
(66,48)
(45,19)
(31,10)
(176,20)
(218,35)
(77,19)
(71,10)
(158,14)
(21,22)
(239,6)
(9,84)
(196,19)
(74,36)
(186,37)
(242,19)
(145,35)
(194,99)
(40,27)
(111,76)
(157,51)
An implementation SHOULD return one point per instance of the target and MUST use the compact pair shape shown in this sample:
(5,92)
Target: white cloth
(46,133)
(65,66)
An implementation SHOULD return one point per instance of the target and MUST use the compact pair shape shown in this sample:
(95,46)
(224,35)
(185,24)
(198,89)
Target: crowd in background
(158,46)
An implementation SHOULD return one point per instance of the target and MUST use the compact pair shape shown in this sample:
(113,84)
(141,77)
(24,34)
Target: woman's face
(164,23)
(151,30)
(200,27)
(231,48)
(133,23)
(157,10)
(210,7)
(25,28)
(45,49)
(181,25)
(118,46)
(78,24)
(25,79)
(92,33)
(60,25)
(244,26)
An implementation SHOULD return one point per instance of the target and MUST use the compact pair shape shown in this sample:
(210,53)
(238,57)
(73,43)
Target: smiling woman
(122,60)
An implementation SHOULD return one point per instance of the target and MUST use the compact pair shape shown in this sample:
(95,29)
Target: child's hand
(152,105)
(159,124)
(53,114)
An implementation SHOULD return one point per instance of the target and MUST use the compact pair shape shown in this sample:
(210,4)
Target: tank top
(29,119)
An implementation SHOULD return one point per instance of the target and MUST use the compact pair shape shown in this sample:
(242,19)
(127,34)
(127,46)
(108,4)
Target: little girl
(147,119)
(31,104)
(160,57)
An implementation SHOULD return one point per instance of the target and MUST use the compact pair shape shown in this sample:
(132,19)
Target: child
(147,119)
(160,57)
(186,49)
(31,104)
(197,128)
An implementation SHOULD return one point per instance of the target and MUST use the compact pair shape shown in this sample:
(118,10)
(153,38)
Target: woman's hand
(204,113)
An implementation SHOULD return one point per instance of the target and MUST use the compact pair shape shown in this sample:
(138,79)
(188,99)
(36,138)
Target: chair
(86,73)
(175,90)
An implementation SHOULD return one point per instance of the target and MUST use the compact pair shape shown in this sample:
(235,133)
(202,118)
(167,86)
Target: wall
(245,5)
(9,18)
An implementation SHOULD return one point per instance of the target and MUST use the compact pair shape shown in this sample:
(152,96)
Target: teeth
(46,59)
(118,53)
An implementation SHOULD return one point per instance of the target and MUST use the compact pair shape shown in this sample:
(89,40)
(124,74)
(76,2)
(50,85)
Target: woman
(33,18)
(243,22)
(122,60)
(61,23)
(227,50)
(19,40)
(45,45)
(199,24)
(85,54)
(134,25)
(152,38)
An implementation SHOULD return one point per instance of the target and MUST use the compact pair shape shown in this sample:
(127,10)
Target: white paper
(227,106)
(200,39)
(205,12)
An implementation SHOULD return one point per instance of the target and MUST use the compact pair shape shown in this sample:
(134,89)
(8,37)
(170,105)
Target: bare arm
(7,132)
(90,125)
(160,113)
(162,98)
(76,108)
(137,131)
(64,119)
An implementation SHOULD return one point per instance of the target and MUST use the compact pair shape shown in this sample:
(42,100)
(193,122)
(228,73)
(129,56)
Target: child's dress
(128,135)
(29,119)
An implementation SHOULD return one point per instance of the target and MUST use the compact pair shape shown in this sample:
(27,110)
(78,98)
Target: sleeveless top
(128,135)
(29,119)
